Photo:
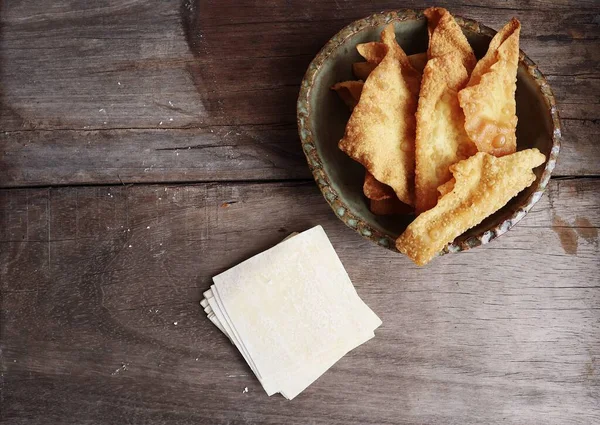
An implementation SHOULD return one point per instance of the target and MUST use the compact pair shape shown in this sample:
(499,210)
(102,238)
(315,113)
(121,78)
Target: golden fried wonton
(376,190)
(362,69)
(381,130)
(418,61)
(383,200)
(445,36)
(349,92)
(446,187)
(389,207)
(488,101)
(373,52)
(372,188)
(441,139)
(483,185)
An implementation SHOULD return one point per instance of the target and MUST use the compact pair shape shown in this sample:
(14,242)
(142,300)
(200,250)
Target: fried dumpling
(362,69)
(488,101)
(441,139)
(381,130)
(349,92)
(482,185)
(392,206)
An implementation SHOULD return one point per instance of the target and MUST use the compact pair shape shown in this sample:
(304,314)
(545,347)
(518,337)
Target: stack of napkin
(291,311)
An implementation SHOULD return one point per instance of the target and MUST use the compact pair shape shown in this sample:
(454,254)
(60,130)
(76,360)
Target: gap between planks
(283,124)
(226,182)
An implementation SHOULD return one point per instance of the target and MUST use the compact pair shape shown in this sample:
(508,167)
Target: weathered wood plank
(576,96)
(75,67)
(191,98)
(580,150)
(292,10)
(93,280)
(62,69)
(59,157)
(124,156)
(157,53)
(69,72)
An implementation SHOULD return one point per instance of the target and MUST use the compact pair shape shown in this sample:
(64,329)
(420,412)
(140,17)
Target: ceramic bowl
(322,118)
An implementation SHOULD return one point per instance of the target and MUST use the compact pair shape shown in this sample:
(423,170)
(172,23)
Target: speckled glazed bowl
(322,118)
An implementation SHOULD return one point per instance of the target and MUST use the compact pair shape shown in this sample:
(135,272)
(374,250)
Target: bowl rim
(343,211)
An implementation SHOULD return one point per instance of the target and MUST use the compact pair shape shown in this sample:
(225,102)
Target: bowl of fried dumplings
(428,133)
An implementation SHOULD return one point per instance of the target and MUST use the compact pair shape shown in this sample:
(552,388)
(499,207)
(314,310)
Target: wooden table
(148,145)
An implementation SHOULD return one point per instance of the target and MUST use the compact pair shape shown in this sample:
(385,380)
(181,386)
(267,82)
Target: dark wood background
(147,145)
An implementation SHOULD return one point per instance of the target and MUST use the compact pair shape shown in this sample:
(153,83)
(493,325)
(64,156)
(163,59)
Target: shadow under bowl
(322,119)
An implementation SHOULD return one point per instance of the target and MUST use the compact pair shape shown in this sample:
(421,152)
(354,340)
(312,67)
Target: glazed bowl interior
(327,118)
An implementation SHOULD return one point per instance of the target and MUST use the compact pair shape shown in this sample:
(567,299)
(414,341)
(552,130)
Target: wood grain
(99,285)
(121,79)
(120,156)
(230,153)
(100,317)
